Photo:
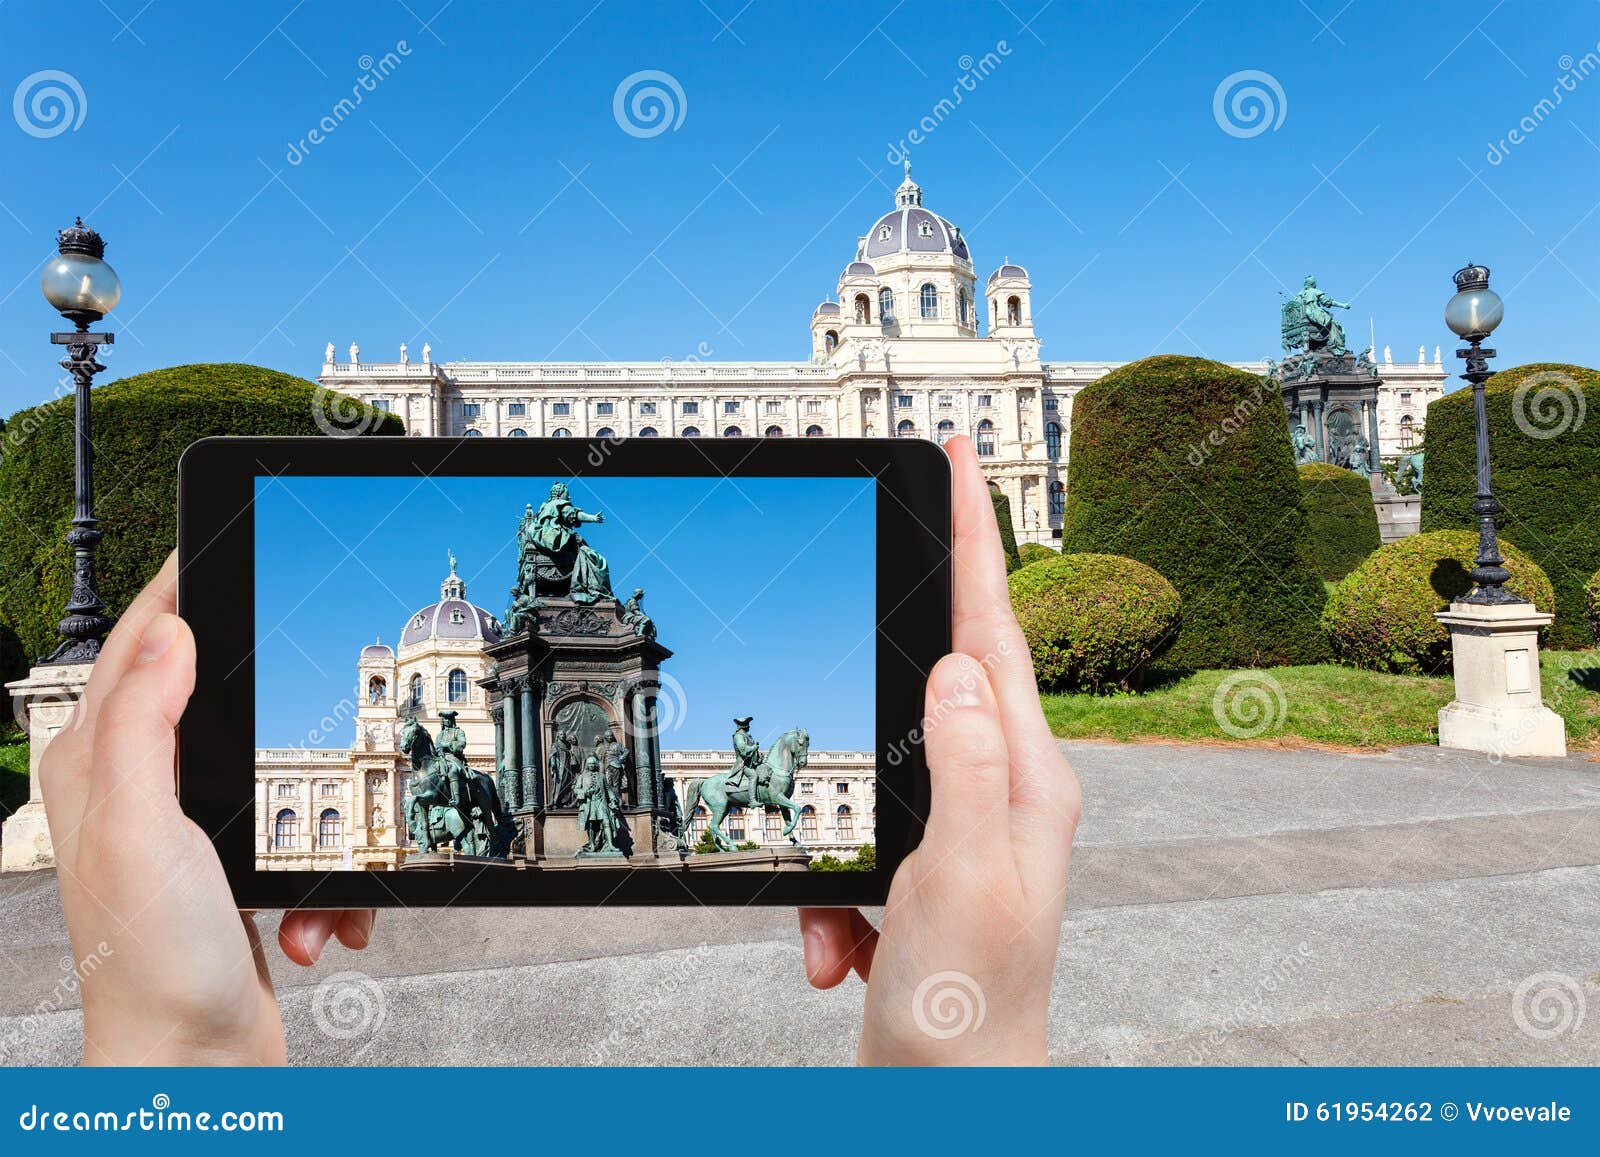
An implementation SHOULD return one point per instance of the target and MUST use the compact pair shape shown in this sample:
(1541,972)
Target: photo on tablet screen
(568,674)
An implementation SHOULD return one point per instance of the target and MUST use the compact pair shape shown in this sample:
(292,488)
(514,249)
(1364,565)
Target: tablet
(438,671)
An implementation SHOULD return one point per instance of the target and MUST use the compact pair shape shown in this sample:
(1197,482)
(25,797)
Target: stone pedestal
(1498,706)
(42,703)
(1335,397)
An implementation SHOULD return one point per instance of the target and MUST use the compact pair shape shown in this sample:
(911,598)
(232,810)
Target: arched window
(844,823)
(698,822)
(813,431)
(774,432)
(734,824)
(906,429)
(458,685)
(519,432)
(1058,498)
(830,342)
(691,431)
(947,430)
(774,830)
(561,432)
(605,432)
(286,830)
(733,432)
(1408,432)
(863,309)
(1052,439)
(962,304)
(474,434)
(930,300)
(885,305)
(648,432)
(416,691)
(1013,311)
(377,689)
(330,826)
(808,823)
(986,439)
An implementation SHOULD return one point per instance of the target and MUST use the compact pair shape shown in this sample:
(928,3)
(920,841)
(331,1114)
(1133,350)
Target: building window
(808,823)
(689,408)
(1058,499)
(381,405)
(1408,432)
(885,305)
(648,432)
(813,431)
(416,691)
(471,411)
(930,300)
(986,439)
(605,432)
(1052,440)
(329,828)
(457,684)
(735,824)
(519,432)
(773,407)
(733,432)
(774,827)
(561,432)
(516,409)
(561,409)
(906,429)
(698,822)
(604,409)
(730,406)
(474,434)
(457,616)
(286,830)
(844,824)
(647,408)
(328,790)
(1405,396)
(903,401)
(947,430)
(691,431)
(946,401)
(841,787)
(925,229)
(286,791)
(774,431)
(1051,403)
(884,233)
(813,406)
(985,401)
(807,787)
(377,690)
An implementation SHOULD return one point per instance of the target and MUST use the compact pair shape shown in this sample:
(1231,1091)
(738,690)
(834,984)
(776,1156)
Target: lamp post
(83,288)
(1472,315)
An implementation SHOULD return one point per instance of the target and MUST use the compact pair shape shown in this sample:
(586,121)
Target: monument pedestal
(43,704)
(1498,706)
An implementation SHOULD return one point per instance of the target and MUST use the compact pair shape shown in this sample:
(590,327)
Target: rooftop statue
(1308,321)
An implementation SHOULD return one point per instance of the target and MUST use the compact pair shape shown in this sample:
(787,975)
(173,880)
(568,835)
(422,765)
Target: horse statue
(432,819)
(775,777)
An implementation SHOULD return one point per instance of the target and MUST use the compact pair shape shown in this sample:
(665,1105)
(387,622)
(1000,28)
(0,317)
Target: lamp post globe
(80,286)
(1472,315)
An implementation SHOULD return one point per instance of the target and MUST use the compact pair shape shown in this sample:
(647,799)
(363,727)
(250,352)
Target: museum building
(331,809)
(908,347)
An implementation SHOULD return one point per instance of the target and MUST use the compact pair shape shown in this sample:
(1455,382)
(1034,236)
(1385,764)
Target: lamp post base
(1498,708)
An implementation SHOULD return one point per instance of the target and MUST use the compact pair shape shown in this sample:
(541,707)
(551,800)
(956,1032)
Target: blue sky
(484,198)
(763,590)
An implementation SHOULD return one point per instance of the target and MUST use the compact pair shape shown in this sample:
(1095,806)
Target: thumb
(968,767)
(134,742)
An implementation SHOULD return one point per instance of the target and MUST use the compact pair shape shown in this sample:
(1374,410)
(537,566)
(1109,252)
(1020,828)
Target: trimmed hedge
(1591,598)
(1381,616)
(1186,465)
(142,425)
(1544,440)
(1093,621)
(1032,552)
(1341,522)
(1008,536)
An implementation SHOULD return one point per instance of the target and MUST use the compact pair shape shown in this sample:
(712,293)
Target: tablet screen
(564,673)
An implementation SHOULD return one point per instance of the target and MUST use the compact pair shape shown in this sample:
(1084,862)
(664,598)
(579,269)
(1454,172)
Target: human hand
(960,973)
(183,978)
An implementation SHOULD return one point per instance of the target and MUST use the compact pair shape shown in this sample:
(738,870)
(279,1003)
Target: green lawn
(1325,704)
(13,773)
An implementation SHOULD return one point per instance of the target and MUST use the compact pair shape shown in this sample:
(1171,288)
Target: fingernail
(157,639)
(813,946)
(314,938)
(957,684)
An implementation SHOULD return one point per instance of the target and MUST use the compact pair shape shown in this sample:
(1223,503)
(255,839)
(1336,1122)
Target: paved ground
(1228,906)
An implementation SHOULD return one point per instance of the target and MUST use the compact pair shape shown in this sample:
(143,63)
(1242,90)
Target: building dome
(1007,270)
(860,269)
(378,650)
(909,228)
(452,617)
(828,308)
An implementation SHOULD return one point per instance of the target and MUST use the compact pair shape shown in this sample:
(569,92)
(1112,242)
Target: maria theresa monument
(907,346)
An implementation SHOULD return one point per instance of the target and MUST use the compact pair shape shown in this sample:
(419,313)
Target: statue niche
(575,729)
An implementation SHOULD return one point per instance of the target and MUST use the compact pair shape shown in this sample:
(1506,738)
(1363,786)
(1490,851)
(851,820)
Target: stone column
(1374,460)
(644,767)
(508,708)
(658,775)
(532,763)
(45,703)
(497,715)
(1316,424)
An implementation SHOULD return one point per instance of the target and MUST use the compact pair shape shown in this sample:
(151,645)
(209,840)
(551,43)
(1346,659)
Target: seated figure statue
(554,558)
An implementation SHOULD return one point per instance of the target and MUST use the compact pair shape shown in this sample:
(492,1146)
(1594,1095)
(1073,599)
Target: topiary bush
(1008,536)
(1381,616)
(1032,552)
(1186,465)
(1341,522)
(1093,621)
(1544,438)
(142,425)
(1591,598)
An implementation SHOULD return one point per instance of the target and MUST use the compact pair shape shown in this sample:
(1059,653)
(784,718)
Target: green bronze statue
(1305,446)
(633,615)
(446,801)
(554,531)
(1308,321)
(598,810)
(762,784)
